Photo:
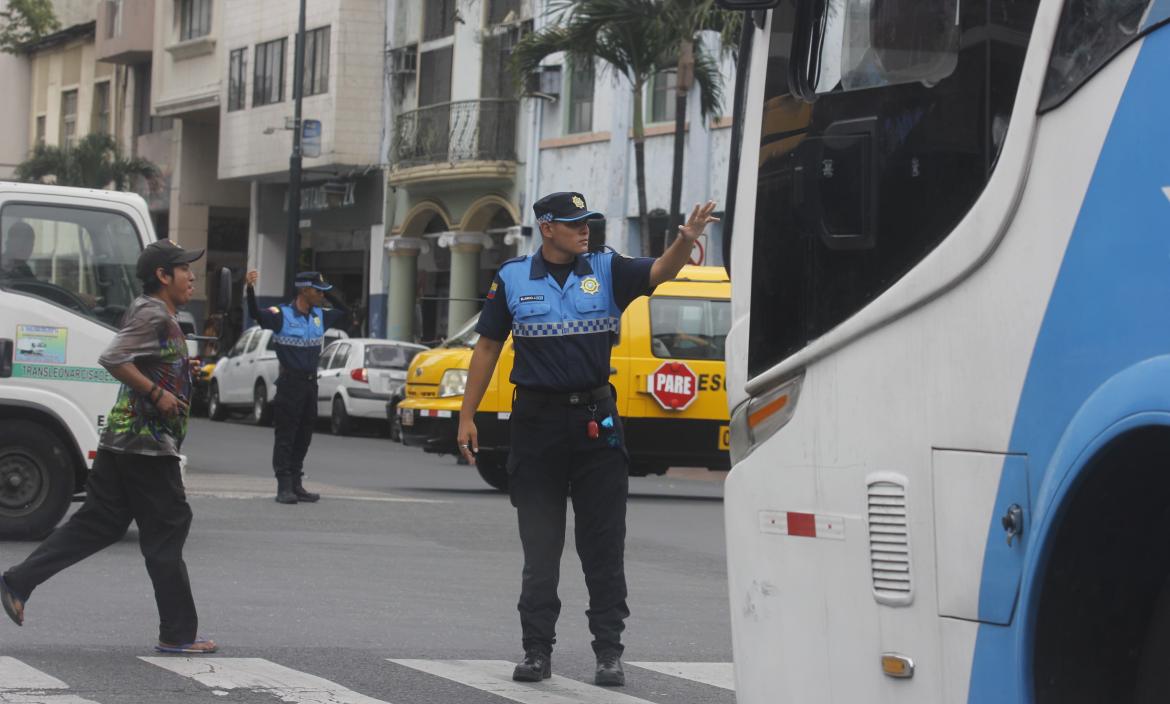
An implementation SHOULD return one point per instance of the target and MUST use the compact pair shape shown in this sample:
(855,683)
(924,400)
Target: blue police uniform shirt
(563,334)
(296,336)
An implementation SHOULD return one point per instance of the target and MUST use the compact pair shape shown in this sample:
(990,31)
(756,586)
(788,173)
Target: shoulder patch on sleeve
(273,309)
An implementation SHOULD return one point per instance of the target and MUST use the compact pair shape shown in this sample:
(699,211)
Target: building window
(268,75)
(434,76)
(194,19)
(662,96)
(40,136)
(439,19)
(144,122)
(113,18)
(580,95)
(100,121)
(316,70)
(237,79)
(68,118)
(499,10)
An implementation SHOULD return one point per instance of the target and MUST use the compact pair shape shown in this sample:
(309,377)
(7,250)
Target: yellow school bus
(667,368)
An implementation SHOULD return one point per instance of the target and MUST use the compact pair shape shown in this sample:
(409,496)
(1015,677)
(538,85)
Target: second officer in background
(298,330)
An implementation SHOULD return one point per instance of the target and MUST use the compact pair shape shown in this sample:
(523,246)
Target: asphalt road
(399,586)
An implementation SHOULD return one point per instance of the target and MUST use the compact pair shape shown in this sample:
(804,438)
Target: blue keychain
(607,422)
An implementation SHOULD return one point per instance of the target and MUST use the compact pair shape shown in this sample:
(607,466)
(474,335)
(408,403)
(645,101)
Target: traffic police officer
(562,306)
(298,330)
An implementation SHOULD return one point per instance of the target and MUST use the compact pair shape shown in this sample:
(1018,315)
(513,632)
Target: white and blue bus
(950,361)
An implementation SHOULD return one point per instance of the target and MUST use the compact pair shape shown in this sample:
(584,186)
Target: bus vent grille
(889,543)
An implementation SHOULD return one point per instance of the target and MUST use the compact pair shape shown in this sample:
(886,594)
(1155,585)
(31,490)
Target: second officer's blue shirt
(563,334)
(297,337)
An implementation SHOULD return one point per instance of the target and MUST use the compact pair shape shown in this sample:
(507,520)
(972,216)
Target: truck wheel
(215,409)
(36,480)
(261,409)
(493,468)
(339,422)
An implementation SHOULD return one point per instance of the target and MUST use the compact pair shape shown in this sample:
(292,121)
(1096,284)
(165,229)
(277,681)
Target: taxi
(667,367)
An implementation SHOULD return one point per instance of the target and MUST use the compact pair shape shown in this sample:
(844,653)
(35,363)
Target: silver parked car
(245,377)
(357,377)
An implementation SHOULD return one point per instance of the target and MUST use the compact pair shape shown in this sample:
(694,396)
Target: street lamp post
(292,255)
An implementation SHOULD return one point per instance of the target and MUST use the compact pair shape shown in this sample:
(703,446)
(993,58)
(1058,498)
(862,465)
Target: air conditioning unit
(516,32)
(404,60)
(545,82)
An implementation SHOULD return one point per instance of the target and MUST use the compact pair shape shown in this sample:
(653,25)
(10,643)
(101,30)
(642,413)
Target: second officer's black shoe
(303,495)
(284,492)
(536,666)
(609,670)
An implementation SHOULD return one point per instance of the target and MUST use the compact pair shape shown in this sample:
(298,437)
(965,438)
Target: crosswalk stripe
(24,684)
(495,677)
(260,675)
(716,674)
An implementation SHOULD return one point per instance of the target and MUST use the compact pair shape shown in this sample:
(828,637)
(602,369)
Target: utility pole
(292,255)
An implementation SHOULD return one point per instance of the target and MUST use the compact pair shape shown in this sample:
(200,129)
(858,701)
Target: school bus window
(689,328)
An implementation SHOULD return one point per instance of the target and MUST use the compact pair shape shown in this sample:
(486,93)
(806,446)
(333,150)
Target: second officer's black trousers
(294,411)
(553,461)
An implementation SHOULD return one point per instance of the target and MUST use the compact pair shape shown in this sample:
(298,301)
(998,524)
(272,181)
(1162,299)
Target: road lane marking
(24,684)
(495,677)
(716,674)
(260,675)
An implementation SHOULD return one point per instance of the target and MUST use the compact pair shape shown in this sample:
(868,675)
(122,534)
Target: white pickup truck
(67,274)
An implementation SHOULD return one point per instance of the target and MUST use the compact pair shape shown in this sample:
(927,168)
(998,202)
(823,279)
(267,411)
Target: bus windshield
(882,121)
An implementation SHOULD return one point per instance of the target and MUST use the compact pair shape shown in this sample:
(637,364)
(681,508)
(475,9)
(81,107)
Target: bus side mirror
(223,300)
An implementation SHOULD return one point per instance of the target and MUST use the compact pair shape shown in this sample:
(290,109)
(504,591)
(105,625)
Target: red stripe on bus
(802,524)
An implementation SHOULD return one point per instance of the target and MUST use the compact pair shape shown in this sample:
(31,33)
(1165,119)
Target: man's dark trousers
(552,460)
(294,411)
(121,488)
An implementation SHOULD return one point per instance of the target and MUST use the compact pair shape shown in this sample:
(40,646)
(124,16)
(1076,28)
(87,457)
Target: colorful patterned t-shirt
(150,338)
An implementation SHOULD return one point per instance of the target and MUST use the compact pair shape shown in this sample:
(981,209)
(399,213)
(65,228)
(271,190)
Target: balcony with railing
(456,140)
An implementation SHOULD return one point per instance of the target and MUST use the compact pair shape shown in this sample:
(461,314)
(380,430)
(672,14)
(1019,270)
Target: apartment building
(585,143)
(179,115)
(457,151)
(342,193)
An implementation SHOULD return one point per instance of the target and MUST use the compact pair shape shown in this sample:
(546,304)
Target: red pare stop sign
(674,386)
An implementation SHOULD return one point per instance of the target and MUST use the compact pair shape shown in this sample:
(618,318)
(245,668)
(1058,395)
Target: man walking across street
(136,474)
(298,330)
(562,306)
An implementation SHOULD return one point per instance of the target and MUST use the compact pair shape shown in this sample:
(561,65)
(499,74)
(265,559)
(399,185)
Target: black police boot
(536,666)
(284,491)
(302,495)
(609,670)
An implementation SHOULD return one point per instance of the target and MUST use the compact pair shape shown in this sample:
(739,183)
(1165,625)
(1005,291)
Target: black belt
(303,376)
(567,398)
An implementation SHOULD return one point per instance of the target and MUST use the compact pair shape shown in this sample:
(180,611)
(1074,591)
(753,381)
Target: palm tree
(687,20)
(636,40)
(94,162)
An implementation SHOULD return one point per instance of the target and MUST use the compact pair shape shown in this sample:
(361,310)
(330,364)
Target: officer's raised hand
(252,277)
(678,254)
(698,221)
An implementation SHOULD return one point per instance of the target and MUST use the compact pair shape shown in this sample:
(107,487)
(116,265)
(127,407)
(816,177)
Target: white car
(358,377)
(245,377)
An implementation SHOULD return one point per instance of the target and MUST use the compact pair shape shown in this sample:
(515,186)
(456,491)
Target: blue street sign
(311,138)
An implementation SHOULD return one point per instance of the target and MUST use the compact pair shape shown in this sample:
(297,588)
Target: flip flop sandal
(8,599)
(189,648)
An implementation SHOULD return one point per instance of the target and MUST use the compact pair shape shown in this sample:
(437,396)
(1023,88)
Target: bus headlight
(453,383)
(760,417)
